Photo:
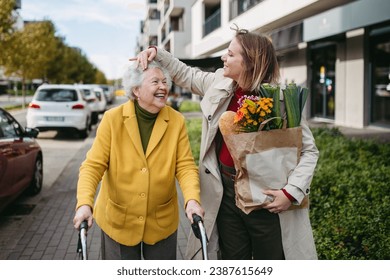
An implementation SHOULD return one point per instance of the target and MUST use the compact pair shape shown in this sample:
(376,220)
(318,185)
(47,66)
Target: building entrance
(323,80)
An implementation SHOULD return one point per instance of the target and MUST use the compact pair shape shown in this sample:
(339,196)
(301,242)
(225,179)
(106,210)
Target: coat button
(307,190)
(209,117)
(142,195)
(207,171)
(143,170)
(141,218)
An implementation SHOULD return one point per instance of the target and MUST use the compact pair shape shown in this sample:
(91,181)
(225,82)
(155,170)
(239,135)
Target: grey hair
(134,76)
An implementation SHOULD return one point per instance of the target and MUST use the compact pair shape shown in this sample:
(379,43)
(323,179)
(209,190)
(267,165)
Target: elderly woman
(141,147)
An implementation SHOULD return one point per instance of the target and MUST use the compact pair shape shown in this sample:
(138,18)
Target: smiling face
(153,93)
(233,61)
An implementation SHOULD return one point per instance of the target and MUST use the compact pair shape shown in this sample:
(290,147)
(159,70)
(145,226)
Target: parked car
(59,107)
(96,100)
(108,93)
(21,160)
(102,104)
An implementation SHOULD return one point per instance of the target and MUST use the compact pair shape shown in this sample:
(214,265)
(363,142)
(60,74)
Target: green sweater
(146,122)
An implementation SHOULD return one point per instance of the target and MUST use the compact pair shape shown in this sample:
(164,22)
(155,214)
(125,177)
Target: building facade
(339,49)
(167,25)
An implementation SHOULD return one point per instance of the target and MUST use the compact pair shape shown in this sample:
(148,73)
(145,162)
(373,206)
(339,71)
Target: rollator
(82,243)
(200,233)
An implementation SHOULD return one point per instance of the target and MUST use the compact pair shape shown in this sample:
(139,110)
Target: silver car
(59,107)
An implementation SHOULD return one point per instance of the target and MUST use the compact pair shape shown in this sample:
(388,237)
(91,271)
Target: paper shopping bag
(263,160)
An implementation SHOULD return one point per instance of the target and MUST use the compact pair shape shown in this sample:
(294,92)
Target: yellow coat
(137,200)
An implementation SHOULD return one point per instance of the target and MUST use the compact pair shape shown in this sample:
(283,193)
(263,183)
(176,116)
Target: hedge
(350,202)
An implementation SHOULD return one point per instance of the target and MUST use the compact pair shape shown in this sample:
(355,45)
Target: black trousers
(256,235)
(162,250)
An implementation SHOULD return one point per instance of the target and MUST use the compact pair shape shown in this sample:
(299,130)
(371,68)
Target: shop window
(380,76)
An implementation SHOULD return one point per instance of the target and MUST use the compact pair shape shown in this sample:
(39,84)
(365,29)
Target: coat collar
(131,124)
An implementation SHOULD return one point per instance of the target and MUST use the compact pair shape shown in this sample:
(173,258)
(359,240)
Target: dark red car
(21,165)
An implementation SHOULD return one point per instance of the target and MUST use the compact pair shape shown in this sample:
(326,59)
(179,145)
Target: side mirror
(31,132)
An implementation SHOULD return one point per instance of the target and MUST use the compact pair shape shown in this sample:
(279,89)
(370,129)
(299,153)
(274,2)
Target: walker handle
(84,225)
(195,225)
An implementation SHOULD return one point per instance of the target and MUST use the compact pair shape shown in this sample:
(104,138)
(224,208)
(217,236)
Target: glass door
(323,80)
(380,76)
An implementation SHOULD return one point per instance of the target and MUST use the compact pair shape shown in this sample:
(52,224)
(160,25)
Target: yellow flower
(252,112)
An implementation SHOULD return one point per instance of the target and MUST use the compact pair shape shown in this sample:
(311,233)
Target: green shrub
(350,202)
(189,106)
(194,127)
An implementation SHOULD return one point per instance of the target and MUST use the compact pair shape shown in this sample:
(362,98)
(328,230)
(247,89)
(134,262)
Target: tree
(7,23)
(100,78)
(33,49)
(72,66)
(36,52)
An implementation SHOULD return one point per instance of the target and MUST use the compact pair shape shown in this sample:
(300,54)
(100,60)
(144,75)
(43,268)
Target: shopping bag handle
(263,123)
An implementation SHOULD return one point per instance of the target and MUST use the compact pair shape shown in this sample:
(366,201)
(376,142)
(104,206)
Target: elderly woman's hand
(193,207)
(84,212)
(145,57)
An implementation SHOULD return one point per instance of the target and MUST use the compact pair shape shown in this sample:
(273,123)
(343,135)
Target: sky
(105,30)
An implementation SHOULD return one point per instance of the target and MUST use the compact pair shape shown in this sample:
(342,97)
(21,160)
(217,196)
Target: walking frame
(82,243)
(200,233)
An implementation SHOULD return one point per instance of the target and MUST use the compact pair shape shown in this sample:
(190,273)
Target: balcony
(212,22)
(237,7)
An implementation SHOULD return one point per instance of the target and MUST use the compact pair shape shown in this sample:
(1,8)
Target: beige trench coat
(217,91)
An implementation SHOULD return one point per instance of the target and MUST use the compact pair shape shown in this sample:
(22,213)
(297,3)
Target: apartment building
(167,25)
(339,49)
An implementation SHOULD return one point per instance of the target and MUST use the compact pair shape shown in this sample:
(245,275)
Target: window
(8,127)
(57,95)
(212,19)
(380,75)
(323,79)
(237,7)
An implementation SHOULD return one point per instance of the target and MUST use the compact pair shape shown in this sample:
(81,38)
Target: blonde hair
(259,60)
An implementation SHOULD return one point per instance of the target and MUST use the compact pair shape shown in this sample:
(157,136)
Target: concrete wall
(354,80)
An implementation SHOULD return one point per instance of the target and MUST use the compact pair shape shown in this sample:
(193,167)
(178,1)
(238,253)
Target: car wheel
(37,180)
(95,118)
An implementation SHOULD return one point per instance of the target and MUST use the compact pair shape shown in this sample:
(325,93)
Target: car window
(86,92)
(97,93)
(57,95)
(9,128)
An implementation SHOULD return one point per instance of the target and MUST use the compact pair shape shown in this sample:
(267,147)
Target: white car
(102,104)
(96,100)
(59,107)
(108,93)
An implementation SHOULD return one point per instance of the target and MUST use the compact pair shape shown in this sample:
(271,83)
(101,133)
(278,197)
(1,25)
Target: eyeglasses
(238,30)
